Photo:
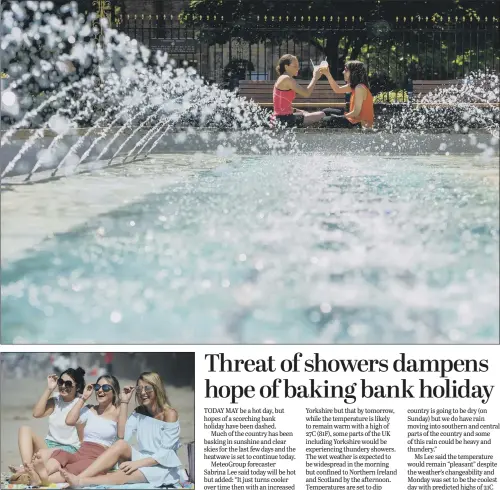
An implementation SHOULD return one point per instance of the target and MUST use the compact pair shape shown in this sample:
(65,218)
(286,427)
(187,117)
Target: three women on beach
(85,442)
(286,88)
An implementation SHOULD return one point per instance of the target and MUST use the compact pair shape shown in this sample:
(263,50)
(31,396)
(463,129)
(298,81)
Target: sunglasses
(147,389)
(105,388)
(67,384)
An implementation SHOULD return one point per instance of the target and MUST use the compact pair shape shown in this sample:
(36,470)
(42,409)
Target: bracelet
(126,403)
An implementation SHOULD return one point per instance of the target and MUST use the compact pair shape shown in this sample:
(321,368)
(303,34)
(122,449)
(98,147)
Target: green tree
(318,22)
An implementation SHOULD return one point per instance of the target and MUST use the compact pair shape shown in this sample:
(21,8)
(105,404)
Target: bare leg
(120,450)
(35,477)
(47,471)
(29,444)
(312,117)
(40,468)
(117,478)
(56,478)
(46,454)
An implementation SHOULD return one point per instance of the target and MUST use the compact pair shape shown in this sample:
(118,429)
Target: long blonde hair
(159,388)
(115,385)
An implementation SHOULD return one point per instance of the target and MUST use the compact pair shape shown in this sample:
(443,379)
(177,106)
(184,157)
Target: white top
(158,440)
(59,432)
(98,429)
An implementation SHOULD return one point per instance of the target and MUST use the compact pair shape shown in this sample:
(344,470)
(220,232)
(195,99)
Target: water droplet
(325,308)
(8,98)
(115,317)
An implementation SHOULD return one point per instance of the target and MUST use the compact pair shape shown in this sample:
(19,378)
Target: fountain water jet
(82,114)
(119,69)
(473,103)
(134,132)
(154,131)
(322,244)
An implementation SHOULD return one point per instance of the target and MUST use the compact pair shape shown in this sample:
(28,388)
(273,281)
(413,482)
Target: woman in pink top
(285,90)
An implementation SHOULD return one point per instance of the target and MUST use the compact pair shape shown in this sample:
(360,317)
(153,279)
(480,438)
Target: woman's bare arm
(79,430)
(358,102)
(335,86)
(45,404)
(305,92)
(74,413)
(122,419)
(125,397)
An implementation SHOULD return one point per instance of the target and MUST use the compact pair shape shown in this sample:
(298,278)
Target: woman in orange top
(361,106)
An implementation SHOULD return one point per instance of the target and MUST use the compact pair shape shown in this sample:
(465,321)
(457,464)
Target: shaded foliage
(242,14)
(341,29)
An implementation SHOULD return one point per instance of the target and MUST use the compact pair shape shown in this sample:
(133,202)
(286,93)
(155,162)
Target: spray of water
(373,248)
(55,63)
(473,103)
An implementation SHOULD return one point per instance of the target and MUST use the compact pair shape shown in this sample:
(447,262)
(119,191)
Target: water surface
(317,248)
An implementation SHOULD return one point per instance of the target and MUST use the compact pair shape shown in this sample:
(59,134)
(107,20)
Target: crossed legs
(311,117)
(119,451)
(45,473)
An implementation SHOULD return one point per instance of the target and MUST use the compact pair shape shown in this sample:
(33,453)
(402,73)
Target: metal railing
(393,50)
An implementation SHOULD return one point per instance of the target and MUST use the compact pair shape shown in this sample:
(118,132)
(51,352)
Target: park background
(231,40)
(399,40)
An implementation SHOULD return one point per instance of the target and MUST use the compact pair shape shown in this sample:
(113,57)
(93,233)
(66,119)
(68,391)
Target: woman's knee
(44,453)
(54,464)
(121,446)
(25,430)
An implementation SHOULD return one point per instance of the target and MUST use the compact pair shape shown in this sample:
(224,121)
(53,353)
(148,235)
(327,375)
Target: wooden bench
(261,92)
(424,87)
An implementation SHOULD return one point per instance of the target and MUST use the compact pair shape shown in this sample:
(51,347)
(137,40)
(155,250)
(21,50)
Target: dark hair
(77,375)
(285,60)
(358,73)
(116,387)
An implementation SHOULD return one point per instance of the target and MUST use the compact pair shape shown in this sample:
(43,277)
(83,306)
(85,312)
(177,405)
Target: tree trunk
(332,54)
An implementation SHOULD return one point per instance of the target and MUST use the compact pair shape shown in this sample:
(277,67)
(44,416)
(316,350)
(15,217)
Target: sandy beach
(19,396)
